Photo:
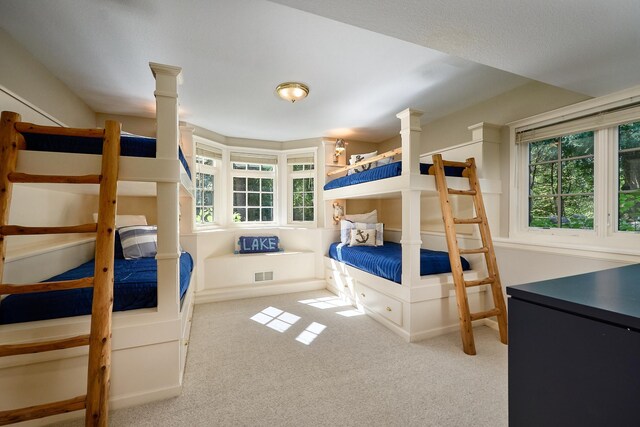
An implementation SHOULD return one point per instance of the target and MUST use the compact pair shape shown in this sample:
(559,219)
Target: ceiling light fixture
(292,91)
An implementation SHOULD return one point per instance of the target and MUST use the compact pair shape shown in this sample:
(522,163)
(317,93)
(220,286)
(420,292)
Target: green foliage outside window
(561,182)
(629,177)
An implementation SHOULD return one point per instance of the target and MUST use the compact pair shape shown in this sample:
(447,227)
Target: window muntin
(253,192)
(302,192)
(561,182)
(629,177)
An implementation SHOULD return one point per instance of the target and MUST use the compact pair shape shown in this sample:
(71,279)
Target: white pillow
(126,220)
(363,237)
(359,157)
(369,218)
(345,231)
(379,227)
(384,161)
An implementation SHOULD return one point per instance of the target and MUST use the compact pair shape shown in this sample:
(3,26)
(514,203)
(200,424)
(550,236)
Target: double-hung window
(580,178)
(628,184)
(207,167)
(253,188)
(561,182)
(302,188)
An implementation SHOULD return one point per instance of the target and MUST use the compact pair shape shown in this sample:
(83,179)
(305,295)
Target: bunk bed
(399,291)
(150,334)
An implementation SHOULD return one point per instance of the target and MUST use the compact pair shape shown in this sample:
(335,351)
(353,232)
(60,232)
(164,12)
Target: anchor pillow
(379,227)
(363,237)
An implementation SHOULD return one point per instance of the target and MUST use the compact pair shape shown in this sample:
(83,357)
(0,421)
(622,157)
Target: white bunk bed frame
(149,345)
(421,306)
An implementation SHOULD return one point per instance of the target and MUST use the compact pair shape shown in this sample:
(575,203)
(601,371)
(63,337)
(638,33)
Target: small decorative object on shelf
(338,212)
(341,146)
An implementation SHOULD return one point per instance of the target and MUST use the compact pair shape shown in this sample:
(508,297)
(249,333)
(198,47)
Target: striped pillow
(139,241)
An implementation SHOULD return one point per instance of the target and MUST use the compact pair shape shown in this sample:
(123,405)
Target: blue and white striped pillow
(139,241)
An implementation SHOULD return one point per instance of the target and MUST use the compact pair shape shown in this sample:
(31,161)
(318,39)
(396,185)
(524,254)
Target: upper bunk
(144,161)
(412,172)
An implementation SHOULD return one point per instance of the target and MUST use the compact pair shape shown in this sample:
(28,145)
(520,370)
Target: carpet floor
(306,359)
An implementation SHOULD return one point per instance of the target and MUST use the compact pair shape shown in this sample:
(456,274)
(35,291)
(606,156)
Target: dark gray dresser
(574,350)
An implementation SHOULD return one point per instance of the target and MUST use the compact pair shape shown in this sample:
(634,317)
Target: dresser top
(609,295)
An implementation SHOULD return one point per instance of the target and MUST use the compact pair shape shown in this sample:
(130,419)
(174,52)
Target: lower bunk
(149,348)
(369,278)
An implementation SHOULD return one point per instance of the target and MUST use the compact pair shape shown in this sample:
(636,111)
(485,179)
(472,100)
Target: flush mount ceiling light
(292,91)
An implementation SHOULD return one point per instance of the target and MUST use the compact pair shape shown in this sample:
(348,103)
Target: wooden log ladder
(99,339)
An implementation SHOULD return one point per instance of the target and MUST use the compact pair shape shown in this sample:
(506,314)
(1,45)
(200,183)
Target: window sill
(581,246)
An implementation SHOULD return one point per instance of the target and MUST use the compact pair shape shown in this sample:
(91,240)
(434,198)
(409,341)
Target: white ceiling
(235,52)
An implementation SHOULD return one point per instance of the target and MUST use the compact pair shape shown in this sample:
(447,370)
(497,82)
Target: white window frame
(287,203)
(245,173)
(216,171)
(311,173)
(565,121)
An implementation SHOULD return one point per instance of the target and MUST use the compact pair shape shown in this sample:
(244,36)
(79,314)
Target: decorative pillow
(139,241)
(345,230)
(379,227)
(369,218)
(363,237)
(258,244)
(384,161)
(359,157)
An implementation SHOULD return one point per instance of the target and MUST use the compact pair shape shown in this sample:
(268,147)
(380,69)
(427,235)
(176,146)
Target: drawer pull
(388,308)
(346,286)
(363,295)
(186,342)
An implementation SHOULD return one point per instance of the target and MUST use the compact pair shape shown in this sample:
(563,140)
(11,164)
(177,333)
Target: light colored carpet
(344,371)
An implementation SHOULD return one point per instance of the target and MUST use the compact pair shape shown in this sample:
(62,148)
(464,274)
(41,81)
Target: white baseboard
(117,402)
(252,291)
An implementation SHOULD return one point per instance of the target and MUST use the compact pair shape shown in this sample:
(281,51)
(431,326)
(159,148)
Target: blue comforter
(130,145)
(135,287)
(382,172)
(386,261)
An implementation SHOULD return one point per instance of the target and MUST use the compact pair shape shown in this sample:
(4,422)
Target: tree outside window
(302,193)
(629,177)
(561,182)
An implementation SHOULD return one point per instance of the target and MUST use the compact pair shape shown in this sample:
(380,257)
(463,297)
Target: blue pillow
(258,244)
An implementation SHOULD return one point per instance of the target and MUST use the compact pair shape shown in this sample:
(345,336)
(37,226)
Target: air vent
(263,276)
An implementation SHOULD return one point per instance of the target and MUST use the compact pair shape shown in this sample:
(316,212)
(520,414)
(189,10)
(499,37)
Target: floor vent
(263,276)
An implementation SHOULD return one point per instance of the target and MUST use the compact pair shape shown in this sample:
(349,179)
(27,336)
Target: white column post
(167,80)
(410,131)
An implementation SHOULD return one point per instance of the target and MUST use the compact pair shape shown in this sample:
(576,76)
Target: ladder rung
(24,127)
(39,347)
(476,220)
(485,314)
(8,289)
(11,230)
(54,179)
(43,410)
(482,250)
(462,192)
(449,163)
(471,283)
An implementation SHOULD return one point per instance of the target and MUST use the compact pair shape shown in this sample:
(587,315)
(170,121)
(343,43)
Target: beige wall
(136,125)
(524,101)
(25,76)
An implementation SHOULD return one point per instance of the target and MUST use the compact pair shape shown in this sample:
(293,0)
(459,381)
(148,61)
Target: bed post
(167,80)
(410,131)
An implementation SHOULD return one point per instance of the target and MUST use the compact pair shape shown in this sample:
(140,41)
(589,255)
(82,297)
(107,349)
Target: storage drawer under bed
(386,306)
